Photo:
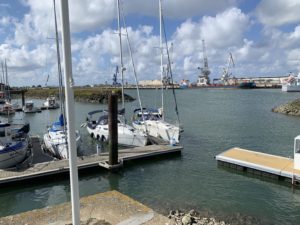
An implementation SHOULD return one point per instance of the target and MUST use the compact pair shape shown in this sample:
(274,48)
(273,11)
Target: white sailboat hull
(51,103)
(159,129)
(56,144)
(50,106)
(126,135)
(13,155)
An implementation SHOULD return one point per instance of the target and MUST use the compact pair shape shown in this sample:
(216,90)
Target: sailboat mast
(6,83)
(58,63)
(161,58)
(205,61)
(121,54)
(2,77)
(66,43)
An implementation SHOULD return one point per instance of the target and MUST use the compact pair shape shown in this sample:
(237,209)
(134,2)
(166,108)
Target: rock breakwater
(192,218)
(291,108)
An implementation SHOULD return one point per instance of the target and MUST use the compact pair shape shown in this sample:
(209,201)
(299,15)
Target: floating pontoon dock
(50,166)
(258,163)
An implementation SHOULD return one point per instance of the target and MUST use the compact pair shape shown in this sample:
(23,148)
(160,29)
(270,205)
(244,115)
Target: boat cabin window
(297,146)
(103,122)
(2,132)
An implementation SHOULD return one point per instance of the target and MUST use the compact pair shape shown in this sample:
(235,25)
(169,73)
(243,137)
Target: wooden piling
(113,129)
(23,98)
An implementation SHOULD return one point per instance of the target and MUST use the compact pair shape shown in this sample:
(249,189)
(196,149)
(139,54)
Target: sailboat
(98,129)
(13,144)
(152,120)
(7,108)
(55,140)
(51,103)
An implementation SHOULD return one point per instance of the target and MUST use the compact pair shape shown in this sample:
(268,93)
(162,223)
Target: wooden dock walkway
(50,166)
(259,163)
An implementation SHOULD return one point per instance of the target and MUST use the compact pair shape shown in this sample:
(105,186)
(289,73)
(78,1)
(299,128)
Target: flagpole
(66,43)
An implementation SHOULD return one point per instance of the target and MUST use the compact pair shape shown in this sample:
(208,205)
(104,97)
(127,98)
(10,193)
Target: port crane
(203,79)
(226,71)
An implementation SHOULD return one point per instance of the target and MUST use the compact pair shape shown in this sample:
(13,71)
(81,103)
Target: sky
(262,35)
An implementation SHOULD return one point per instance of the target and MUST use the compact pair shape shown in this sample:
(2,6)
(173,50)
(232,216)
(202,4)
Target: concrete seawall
(105,208)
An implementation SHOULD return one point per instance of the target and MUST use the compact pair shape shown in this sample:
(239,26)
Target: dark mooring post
(113,129)
(23,98)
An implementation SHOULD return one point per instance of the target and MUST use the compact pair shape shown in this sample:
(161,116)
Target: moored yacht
(13,144)
(51,103)
(7,109)
(151,121)
(30,108)
(55,140)
(127,135)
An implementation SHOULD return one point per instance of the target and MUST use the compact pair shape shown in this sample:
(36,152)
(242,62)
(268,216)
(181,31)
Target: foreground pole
(70,112)
(113,129)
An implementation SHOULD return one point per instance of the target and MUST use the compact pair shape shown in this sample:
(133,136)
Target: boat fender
(172,142)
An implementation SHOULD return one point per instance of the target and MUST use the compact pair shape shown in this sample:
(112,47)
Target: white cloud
(221,33)
(99,54)
(92,14)
(293,57)
(243,52)
(177,8)
(278,12)
(6,20)
(225,28)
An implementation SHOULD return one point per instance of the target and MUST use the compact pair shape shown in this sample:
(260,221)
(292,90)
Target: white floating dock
(259,163)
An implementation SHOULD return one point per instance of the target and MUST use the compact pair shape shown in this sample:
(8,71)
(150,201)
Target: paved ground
(106,208)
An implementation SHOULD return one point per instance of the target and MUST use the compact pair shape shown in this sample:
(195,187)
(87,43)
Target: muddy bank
(90,95)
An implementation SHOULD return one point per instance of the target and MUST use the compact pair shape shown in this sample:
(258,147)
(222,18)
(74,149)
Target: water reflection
(214,121)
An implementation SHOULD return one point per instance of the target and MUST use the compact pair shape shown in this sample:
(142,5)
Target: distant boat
(51,103)
(7,109)
(292,85)
(2,96)
(13,144)
(30,108)
(184,84)
(247,85)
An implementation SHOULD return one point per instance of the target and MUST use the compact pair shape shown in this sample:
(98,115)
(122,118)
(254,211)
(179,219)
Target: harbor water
(214,120)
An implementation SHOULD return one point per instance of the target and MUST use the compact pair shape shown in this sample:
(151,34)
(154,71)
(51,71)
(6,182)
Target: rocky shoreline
(192,218)
(291,108)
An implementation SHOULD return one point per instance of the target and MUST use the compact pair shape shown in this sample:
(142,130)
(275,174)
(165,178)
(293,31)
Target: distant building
(154,83)
(265,81)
